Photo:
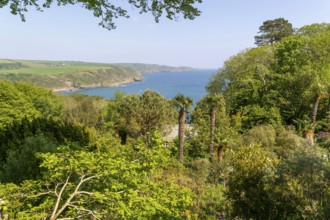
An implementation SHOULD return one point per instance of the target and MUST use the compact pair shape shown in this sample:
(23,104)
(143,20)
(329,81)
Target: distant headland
(73,75)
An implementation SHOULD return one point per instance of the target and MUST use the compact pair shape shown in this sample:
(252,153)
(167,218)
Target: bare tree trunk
(212,126)
(328,101)
(315,108)
(309,135)
(182,121)
(220,152)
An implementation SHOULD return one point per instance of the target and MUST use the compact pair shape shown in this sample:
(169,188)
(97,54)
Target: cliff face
(116,76)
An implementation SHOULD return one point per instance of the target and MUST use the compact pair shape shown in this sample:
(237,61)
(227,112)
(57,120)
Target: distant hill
(154,68)
(70,75)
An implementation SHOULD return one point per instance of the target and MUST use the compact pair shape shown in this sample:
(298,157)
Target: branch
(68,201)
(89,212)
(54,214)
(39,194)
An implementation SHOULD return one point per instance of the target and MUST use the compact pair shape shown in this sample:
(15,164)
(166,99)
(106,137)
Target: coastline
(75,87)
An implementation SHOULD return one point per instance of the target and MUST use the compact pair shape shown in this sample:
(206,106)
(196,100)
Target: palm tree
(182,103)
(214,101)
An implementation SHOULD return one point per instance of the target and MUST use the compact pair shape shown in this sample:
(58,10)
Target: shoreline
(96,85)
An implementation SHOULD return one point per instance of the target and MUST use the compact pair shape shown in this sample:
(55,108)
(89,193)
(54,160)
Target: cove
(168,84)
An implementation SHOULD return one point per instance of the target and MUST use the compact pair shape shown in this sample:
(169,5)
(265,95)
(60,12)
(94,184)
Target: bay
(168,84)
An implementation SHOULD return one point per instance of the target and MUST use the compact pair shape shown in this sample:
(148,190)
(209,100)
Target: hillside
(70,75)
(154,68)
(66,75)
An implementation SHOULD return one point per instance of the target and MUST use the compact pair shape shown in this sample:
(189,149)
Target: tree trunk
(309,135)
(329,102)
(123,137)
(212,126)
(220,152)
(182,121)
(315,108)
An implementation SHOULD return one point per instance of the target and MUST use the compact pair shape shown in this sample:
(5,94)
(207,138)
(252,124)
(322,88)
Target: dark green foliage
(273,31)
(23,139)
(108,11)
(21,162)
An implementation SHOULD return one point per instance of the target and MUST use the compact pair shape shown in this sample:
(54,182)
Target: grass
(52,70)
(47,67)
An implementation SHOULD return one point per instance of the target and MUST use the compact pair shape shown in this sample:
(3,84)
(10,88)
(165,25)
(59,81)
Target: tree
(83,109)
(107,10)
(138,115)
(250,181)
(104,184)
(182,103)
(272,31)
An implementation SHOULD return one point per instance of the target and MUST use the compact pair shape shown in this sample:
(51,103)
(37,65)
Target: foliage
(263,134)
(21,141)
(250,181)
(302,186)
(183,104)
(101,185)
(14,105)
(108,10)
(21,163)
(273,31)
(139,115)
(84,110)
(279,83)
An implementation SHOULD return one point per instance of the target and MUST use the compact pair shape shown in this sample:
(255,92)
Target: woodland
(256,147)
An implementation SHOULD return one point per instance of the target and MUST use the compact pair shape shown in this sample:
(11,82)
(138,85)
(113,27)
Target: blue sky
(224,28)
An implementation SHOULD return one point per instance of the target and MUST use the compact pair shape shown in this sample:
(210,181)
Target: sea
(168,84)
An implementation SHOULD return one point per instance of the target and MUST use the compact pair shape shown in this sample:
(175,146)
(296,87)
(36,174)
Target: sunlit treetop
(108,10)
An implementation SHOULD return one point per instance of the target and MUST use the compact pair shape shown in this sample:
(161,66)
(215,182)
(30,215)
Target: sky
(225,27)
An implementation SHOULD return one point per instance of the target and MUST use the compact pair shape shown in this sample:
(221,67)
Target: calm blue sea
(168,84)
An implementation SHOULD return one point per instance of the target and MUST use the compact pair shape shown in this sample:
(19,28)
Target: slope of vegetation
(258,147)
(154,68)
(66,75)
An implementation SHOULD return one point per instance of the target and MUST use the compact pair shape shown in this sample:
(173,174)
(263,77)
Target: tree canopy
(272,31)
(108,10)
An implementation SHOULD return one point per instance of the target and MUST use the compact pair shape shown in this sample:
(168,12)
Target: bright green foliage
(45,101)
(104,185)
(139,115)
(108,11)
(14,104)
(23,100)
(250,181)
(272,31)
(279,83)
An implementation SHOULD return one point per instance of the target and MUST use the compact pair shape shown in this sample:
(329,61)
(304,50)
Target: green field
(47,67)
